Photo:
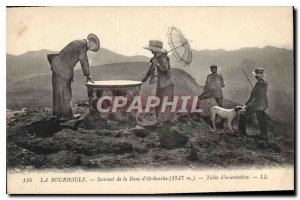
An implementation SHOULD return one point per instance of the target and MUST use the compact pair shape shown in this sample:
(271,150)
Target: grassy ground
(35,140)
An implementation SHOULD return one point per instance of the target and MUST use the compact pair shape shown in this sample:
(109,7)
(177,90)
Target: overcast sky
(127,30)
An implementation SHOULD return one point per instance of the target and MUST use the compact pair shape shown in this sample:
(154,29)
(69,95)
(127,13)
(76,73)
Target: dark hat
(213,66)
(156,46)
(95,39)
(259,72)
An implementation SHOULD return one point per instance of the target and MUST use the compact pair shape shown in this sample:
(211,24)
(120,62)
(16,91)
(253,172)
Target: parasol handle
(179,46)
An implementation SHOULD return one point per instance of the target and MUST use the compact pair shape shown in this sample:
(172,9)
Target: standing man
(62,66)
(213,86)
(165,86)
(258,103)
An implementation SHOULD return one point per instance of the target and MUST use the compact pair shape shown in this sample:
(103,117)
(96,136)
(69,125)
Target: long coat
(62,66)
(214,84)
(165,85)
(164,74)
(258,99)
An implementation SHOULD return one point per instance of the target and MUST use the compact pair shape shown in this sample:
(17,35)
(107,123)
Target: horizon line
(220,49)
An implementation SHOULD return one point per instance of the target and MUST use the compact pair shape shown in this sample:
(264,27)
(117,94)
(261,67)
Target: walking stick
(247,77)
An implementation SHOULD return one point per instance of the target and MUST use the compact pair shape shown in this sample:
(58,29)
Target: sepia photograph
(149,100)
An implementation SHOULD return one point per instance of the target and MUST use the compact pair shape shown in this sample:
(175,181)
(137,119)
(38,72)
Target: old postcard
(149,100)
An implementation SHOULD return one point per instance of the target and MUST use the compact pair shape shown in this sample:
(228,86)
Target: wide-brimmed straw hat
(156,46)
(259,72)
(95,39)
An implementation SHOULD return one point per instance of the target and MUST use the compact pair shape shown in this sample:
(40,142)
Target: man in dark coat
(213,86)
(62,66)
(257,103)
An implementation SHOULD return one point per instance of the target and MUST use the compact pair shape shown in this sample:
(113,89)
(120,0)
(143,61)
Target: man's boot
(242,125)
(263,136)
(261,119)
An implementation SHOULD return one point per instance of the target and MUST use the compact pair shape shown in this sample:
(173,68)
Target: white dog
(224,113)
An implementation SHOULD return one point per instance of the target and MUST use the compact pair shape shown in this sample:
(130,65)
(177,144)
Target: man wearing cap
(213,86)
(165,85)
(257,103)
(62,66)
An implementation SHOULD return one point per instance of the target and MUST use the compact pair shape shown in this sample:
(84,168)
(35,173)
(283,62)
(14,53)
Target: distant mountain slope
(277,62)
(279,69)
(37,91)
(30,64)
(35,63)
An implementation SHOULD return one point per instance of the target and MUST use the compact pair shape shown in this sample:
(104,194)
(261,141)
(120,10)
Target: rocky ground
(36,140)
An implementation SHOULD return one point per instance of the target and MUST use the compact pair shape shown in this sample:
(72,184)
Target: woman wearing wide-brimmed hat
(62,66)
(165,86)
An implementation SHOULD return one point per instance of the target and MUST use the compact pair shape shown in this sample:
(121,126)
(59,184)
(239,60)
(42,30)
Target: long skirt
(161,93)
(62,94)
